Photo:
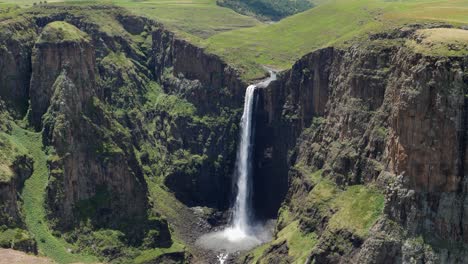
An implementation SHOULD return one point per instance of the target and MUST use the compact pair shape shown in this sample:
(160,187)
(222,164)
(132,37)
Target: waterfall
(241,220)
(242,233)
(241,215)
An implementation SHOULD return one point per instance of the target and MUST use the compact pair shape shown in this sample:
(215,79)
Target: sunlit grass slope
(248,44)
(33,195)
(201,18)
(332,23)
(193,18)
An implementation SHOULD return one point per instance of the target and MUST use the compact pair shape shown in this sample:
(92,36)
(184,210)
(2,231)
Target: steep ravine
(117,132)
(373,118)
(360,150)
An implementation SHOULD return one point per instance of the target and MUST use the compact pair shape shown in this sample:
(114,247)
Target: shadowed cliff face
(63,100)
(118,113)
(57,61)
(15,51)
(284,109)
(216,92)
(381,115)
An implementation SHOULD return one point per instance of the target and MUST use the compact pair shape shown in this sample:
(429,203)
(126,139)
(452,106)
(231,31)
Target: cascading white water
(241,215)
(242,233)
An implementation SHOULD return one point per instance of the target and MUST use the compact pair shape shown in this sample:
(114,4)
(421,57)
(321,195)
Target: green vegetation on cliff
(59,31)
(34,202)
(267,9)
(11,237)
(355,209)
(9,150)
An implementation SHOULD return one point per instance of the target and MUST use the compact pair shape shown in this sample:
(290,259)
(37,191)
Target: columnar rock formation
(64,100)
(377,115)
(117,114)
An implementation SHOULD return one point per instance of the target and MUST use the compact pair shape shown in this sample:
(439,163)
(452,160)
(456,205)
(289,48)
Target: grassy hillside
(34,196)
(248,44)
(267,9)
(333,23)
(201,18)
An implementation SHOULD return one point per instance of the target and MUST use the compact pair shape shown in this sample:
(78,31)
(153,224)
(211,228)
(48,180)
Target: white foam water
(242,233)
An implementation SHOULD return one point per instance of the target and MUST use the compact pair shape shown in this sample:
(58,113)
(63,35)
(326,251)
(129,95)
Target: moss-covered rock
(60,31)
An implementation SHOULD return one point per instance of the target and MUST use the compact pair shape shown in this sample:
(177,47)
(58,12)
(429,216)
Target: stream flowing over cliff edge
(360,151)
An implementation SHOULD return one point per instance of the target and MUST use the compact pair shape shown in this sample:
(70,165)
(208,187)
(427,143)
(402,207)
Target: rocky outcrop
(10,215)
(428,112)
(284,110)
(15,65)
(210,133)
(90,171)
(63,54)
(376,114)
(180,58)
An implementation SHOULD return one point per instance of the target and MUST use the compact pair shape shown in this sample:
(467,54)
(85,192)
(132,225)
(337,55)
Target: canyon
(133,130)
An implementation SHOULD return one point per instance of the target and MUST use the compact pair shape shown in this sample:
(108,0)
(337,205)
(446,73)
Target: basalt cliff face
(372,115)
(189,72)
(122,115)
(359,151)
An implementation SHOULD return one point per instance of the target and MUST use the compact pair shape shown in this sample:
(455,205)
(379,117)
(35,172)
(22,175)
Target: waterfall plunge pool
(243,233)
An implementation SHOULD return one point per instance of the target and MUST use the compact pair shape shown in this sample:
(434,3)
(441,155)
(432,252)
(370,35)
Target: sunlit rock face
(381,115)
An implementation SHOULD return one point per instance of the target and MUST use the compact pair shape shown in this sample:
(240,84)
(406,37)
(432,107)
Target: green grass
(441,41)
(9,150)
(258,252)
(358,209)
(323,193)
(10,237)
(299,244)
(190,18)
(313,176)
(33,195)
(267,9)
(355,208)
(151,254)
(247,44)
(200,18)
(335,23)
(59,31)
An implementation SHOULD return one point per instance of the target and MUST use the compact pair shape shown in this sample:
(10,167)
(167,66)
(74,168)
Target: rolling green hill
(201,18)
(334,23)
(248,44)
(267,9)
